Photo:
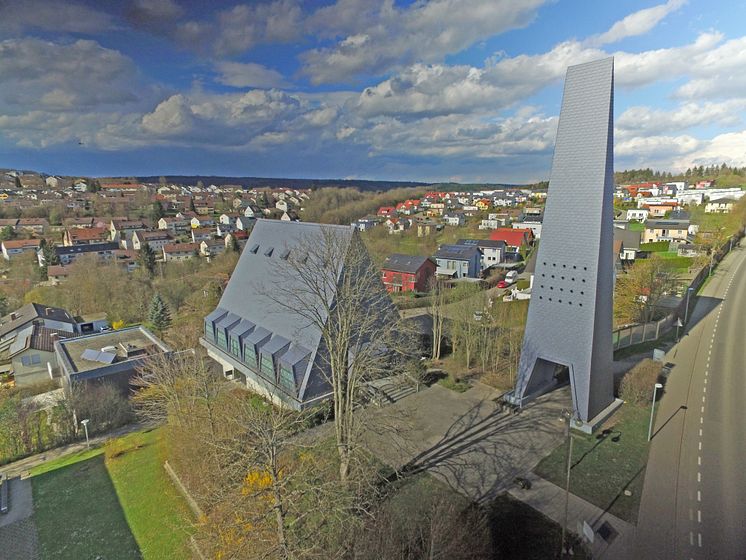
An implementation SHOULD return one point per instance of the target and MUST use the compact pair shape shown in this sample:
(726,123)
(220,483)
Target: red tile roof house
(84,236)
(15,247)
(405,273)
(386,211)
(514,239)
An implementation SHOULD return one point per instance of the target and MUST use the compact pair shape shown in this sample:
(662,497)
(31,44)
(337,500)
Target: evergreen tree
(156,212)
(147,258)
(158,314)
(7,233)
(233,244)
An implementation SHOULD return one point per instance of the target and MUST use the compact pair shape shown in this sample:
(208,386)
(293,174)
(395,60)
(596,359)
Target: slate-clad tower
(570,314)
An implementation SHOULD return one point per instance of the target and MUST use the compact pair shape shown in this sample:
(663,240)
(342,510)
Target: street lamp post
(567,416)
(652,409)
(85,427)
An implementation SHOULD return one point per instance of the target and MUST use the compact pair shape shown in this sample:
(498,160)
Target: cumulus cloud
(637,23)
(36,74)
(392,37)
(238,74)
(649,121)
(50,15)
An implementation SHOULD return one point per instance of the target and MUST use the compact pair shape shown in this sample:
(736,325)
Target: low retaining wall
(193,505)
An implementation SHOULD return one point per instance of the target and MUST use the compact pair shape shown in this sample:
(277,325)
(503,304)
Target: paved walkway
(18,538)
(465,439)
(549,499)
(23,466)
(468,442)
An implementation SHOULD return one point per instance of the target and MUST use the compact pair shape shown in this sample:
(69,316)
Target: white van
(511,276)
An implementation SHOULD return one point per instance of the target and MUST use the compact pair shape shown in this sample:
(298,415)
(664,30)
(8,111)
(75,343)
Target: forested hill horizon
(277,182)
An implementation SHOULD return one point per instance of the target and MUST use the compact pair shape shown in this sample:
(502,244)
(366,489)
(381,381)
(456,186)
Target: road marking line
(699,460)
(699,477)
(702,410)
(701,420)
(699,539)
(704,390)
(699,496)
(700,446)
(700,432)
(703,397)
(699,516)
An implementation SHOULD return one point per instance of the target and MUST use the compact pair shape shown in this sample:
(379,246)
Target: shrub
(637,384)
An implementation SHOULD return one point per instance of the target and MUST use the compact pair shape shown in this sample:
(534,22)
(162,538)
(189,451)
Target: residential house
(494,221)
(492,252)
(244,222)
(155,239)
(719,206)
(458,261)
(265,345)
(406,273)
(515,239)
(289,216)
(212,247)
(676,231)
(661,209)
(630,243)
(201,234)
(454,218)
(397,225)
(31,354)
(57,273)
(202,222)
(14,247)
(33,225)
(180,251)
(239,236)
(639,214)
(12,223)
(427,227)
(386,211)
(221,230)
(688,250)
(79,222)
(228,219)
(174,225)
(483,204)
(121,231)
(252,211)
(533,225)
(282,205)
(84,236)
(113,357)
(68,255)
(364,224)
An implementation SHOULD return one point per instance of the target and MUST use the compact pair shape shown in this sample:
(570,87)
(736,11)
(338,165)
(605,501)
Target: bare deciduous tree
(438,302)
(641,289)
(333,286)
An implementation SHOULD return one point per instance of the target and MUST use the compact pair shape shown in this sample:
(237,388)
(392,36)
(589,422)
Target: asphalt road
(694,497)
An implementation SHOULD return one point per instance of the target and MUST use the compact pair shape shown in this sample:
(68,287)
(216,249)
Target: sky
(441,90)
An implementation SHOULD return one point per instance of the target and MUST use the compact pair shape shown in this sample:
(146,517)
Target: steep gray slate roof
(257,272)
(248,307)
(404,263)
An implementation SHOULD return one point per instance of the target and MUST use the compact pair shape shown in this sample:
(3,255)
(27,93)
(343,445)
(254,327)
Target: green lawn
(155,511)
(121,508)
(603,468)
(78,514)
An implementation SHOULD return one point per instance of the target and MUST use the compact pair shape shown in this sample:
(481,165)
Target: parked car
(502,284)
